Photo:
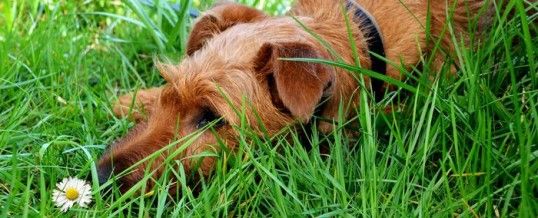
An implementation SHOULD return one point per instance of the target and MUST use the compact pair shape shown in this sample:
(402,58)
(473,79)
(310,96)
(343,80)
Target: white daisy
(70,191)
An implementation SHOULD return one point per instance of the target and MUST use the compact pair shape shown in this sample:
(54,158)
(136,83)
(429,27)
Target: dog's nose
(103,173)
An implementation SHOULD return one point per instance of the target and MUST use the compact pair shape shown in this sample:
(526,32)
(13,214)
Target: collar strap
(375,44)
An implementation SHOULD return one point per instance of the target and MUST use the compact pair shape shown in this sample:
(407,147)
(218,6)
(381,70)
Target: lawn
(459,146)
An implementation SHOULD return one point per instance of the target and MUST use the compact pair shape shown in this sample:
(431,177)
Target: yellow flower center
(71,193)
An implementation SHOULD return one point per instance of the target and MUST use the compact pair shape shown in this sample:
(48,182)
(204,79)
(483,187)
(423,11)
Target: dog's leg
(137,105)
(439,61)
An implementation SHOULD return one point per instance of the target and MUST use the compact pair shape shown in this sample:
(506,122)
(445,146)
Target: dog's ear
(218,19)
(296,86)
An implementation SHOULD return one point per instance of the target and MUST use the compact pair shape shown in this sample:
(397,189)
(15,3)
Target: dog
(235,62)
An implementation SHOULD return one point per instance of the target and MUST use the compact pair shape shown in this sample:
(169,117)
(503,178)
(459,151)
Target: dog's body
(234,64)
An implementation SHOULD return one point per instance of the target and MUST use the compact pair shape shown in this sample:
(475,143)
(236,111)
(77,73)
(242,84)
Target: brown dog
(234,64)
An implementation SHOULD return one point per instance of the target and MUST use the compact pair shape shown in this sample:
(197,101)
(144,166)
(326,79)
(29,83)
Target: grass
(465,146)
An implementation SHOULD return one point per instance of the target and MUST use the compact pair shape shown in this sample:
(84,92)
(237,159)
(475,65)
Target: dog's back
(404,23)
(395,11)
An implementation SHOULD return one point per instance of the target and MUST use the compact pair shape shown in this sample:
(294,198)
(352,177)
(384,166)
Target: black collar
(375,44)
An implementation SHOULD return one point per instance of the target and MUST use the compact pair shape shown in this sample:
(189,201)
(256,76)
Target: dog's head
(233,74)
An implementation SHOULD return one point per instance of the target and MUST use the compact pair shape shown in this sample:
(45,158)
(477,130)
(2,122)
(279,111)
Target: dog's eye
(209,117)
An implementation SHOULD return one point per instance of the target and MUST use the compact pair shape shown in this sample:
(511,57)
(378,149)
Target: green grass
(465,146)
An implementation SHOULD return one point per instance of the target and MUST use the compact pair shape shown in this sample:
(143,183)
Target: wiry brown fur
(234,64)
